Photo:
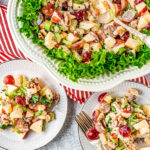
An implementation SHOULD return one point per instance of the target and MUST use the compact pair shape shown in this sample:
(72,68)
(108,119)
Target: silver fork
(86,123)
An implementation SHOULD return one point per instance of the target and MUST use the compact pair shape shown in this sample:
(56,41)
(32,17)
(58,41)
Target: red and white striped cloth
(9,51)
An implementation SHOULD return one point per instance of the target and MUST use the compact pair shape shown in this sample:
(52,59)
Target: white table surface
(68,136)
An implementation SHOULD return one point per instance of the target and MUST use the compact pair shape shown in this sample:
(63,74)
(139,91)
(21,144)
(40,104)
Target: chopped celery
(77,57)
(124,104)
(47,25)
(58,37)
(67,42)
(38,113)
(42,91)
(52,115)
(114,140)
(44,3)
(79,1)
(121,50)
(132,120)
(139,40)
(111,14)
(120,145)
(113,109)
(135,105)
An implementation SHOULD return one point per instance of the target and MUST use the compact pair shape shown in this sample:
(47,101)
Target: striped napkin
(9,51)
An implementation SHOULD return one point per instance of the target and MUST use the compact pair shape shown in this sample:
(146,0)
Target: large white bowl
(35,52)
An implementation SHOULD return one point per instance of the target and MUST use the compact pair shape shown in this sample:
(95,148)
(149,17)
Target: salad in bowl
(25,105)
(83,37)
(120,123)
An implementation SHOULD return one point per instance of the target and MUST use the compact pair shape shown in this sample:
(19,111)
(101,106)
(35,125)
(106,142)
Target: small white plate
(11,140)
(120,90)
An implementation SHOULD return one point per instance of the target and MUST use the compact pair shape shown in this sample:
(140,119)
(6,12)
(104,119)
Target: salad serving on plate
(120,123)
(25,105)
(83,36)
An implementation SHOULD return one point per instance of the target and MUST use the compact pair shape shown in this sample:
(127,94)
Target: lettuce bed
(102,61)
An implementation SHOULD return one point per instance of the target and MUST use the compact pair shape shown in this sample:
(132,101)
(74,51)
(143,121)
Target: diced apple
(104,18)
(126,115)
(146,109)
(77,45)
(37,126)
(109,42)
(118,8)
(56,17)
(131,2)
(117,47)
(7,108)
(95,46)
(86,47)
(40,107)
(119,31)
(76,55)
(65,49)
(11,88)
(72,38)
(103,6)
(108,98)
(132,43)
(142,23)
(18,80)
(143,127)
(78,6)
(49,40)
(29,113)
(146,16)
(124,4)
(17,113)
(103,138)
(141,8)
(90,37)
(86,25)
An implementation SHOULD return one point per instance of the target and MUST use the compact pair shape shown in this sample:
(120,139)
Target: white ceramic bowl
(35,52)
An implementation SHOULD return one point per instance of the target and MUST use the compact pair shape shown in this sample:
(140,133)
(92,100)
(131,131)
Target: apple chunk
(37,126)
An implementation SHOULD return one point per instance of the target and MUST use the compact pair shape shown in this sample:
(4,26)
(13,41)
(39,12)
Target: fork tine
(90,120)
(87,122)
(83,122)
(80,125)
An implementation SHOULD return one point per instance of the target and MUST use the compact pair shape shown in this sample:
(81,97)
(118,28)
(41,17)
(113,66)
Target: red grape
(95,115)
(148,27)
(87,56)
(81,15)
(117,1)
(92,134)
(48,9)
(9,79)
(20,100)
(125,36)
(101,97)
(125,131)
(138,1)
